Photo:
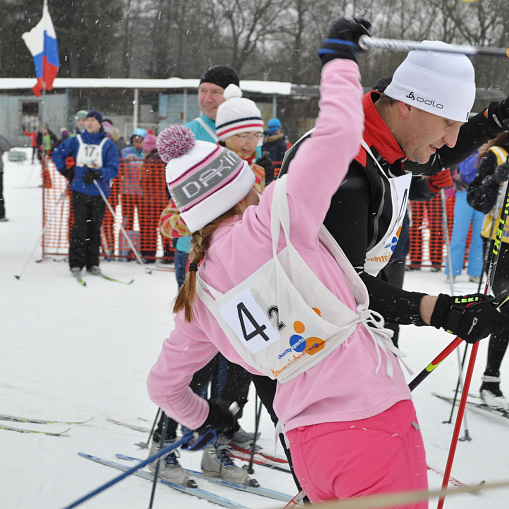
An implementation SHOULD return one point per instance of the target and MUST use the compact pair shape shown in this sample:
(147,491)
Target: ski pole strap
(184,440)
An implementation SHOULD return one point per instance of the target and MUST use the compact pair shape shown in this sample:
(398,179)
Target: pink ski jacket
(343,386)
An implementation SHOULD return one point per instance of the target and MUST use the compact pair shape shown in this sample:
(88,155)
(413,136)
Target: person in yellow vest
(486,193)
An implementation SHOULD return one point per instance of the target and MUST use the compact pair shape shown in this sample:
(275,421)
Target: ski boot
(169,468)
(491,393)
(217,462)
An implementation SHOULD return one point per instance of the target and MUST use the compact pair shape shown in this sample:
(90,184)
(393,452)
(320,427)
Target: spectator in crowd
(486,194)
(464,217)
(275,143)
(33,141)
(5,146)
(46,141)
(80,121)
(131,192)
(64,134)
(239,127)
(88,160)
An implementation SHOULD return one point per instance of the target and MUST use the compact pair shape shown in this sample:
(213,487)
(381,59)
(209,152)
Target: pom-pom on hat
(204,179)
(237,115)
(436,82)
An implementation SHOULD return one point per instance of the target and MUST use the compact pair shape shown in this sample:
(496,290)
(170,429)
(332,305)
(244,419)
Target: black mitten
(342,39)
(470,317)
(68,173)
(88,178)
(501,172)
(220,418)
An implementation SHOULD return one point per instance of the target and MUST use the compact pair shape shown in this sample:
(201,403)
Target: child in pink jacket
(349,418)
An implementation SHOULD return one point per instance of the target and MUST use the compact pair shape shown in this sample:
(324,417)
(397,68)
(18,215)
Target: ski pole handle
(365,42)
(434,363)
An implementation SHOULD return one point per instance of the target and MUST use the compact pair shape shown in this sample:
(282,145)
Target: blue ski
(264,492)
(195,492)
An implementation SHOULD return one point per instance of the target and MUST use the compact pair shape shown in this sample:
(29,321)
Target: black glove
(501,173)
(342,39)
(470,317)
(68,173)
(220,418)
(88,178)
(498,112)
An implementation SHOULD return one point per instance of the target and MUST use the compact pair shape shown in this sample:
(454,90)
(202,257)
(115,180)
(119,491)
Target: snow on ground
(71,353)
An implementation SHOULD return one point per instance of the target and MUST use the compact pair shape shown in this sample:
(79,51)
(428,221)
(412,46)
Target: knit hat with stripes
(237,115)
(204,179)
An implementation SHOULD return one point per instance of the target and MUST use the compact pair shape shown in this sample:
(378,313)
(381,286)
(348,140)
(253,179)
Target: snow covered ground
(71,353)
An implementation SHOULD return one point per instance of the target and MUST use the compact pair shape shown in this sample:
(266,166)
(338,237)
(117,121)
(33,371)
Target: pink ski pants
(381,454)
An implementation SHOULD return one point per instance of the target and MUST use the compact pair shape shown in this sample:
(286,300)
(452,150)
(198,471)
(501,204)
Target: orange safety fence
(427,238)
(138,196)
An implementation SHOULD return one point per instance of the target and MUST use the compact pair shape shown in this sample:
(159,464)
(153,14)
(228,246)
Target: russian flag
(42,43)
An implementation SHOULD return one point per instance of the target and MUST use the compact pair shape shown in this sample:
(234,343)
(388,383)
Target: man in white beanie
(419,126)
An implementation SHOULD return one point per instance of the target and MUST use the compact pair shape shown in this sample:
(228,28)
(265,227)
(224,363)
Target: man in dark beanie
(210,96)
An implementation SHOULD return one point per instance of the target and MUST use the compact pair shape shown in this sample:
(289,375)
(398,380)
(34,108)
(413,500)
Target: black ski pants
(86,231)
(499,340)
(236,388)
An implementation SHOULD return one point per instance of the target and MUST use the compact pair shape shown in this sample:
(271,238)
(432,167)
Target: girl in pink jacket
(275,294)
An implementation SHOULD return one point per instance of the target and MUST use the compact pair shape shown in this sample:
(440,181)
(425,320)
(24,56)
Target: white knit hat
(436,82)
(237,115)
(204,179)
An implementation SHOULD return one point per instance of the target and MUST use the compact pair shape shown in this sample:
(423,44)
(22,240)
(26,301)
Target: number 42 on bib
(249,322)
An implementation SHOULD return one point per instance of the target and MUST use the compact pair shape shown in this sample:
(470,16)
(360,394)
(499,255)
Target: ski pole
(451,276)
(463,402)
(156,473)
(258,407)
(365,42)
(184,440)
(131,245)
(143,445)
(43,230)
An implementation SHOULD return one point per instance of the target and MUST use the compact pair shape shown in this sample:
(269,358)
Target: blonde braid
(200,242)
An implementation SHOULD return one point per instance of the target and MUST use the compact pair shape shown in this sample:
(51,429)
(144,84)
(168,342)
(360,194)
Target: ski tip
(17,277)
(132,281)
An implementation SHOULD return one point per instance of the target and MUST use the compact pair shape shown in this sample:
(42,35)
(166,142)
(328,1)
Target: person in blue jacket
(88,161)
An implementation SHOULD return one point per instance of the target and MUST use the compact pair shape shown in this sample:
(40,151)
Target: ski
(31,420)
(195,492)
(104,276)
(264,492)
(163,268)
(452,480)
(80,280)
(24,430)
(269,457)
(480,406)
(142,429)
(259,460)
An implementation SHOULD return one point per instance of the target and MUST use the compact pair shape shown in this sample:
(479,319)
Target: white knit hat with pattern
(436,82)
(237,115)
(204,179)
